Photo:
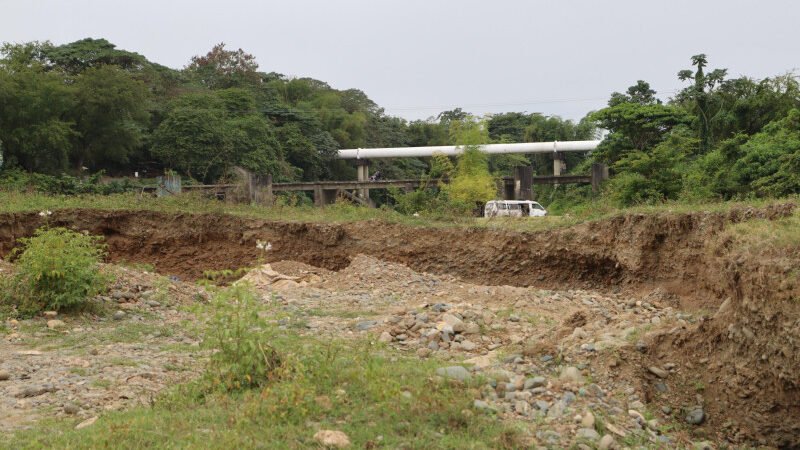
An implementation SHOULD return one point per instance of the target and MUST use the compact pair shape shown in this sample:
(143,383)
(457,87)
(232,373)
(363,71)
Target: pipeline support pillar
(362,165)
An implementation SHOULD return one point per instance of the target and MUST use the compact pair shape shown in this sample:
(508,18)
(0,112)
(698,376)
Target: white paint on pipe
(412,152)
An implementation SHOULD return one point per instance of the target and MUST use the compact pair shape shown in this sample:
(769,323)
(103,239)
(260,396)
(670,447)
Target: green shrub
(240,341)
(56,269)
(19,181)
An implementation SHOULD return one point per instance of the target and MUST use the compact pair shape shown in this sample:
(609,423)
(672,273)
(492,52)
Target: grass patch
(375,395)
(356,388)
(12,202)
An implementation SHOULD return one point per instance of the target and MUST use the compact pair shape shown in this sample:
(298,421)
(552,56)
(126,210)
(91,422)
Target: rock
(572,374)
(4,375)
(365,325)
(481,405)
(440,307)
(666,410)
(86,423)
(587,433)
(641,346)
(522,407)
(385,337)
(332,438)
(50,314)
(71,408)
(424,352)
(119,315)
(703,445)
(34,391)
(55,324)
(472,328)
(153,304)
(534,382)
(588,420)
(568,398)
(468,346)
(454,322)
(657,371)
(637,405)
(696,416)
(606,443)
(454,373)
(636,415)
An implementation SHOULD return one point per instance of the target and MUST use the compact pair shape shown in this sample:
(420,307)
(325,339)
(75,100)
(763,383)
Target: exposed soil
(740,361)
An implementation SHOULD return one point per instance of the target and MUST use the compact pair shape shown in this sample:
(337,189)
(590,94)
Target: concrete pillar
(507,188)
(362,165)
(599,174)
(523,183)
(260,189)
(319,200)
(559,164)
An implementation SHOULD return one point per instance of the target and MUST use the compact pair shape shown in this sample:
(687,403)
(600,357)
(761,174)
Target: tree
(700,95)
(221,68)
(655,175)
(110,116)
(35,128)
(636,122)
(78,56)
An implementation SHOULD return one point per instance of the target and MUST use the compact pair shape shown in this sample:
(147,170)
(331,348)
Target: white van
(513,208)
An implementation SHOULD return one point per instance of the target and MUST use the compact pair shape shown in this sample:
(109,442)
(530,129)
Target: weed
(240,340)
(56,269)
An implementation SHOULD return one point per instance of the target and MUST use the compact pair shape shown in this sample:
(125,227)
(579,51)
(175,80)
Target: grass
(356,388)
(14,202)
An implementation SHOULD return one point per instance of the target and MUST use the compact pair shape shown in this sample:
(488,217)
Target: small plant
(239,338)
(57,269)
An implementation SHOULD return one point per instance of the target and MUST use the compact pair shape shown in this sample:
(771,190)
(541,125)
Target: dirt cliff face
(742,357)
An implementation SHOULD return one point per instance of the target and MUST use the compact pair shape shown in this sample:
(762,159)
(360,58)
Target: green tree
(110,116)
(700,95)
(194,137)
(35,127)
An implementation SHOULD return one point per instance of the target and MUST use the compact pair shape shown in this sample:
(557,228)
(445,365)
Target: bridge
(261,189)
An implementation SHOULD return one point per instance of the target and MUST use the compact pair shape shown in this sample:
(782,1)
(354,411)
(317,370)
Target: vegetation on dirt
(56,269)
(239,338)
(376,396)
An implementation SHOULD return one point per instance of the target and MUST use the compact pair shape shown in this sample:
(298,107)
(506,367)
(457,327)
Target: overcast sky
(419,57)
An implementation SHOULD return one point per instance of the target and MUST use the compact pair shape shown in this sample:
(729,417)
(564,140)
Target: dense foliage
(56,269)
(87,107)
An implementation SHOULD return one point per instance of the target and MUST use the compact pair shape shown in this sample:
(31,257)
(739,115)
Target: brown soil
(745,358)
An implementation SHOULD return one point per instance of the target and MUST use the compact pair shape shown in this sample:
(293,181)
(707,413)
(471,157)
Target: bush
(19,180)
(239,338)
(56,269)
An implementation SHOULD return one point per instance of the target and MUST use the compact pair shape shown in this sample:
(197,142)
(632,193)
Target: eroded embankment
(742,356)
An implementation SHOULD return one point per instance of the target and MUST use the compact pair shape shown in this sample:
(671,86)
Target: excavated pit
(744,350)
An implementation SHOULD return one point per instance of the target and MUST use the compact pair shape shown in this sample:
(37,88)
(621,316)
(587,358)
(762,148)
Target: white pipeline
(529,147)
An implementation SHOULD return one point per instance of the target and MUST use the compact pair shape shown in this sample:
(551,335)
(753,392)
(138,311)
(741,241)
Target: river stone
(332,438)
(454,373)
(572,374)
(587,433)
(659,372)
(696,416)
(534,382)
(365,325)
(606,443)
